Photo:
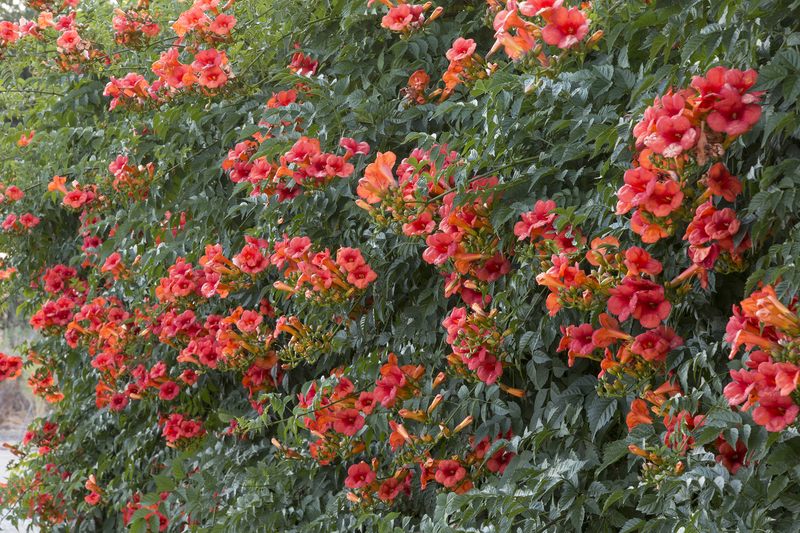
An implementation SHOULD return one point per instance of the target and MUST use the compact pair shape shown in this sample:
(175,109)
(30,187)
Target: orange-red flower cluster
(205,22)
(180,431)
(19,225)
(476,342)
(679,133)
(461,239)
(134,28)
(10,367)
(302,64)
(465,67)
(772,372)
(45,387)
(209,69)
(132,506)
(408,18)
(563,27)
(133,181)
(133,91)
(303,166)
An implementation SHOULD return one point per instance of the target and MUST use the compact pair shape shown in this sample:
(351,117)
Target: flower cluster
(133,181)
(772,372)
(408,18)
(311,168)
(133,91)
(12,194)
(64,280)
(209,70)
(476,342)
(19,225)
(465,67)
(217,275)
(564,27)
(461,240)
(134,28)
(241,167)
(633,359)
(455,474)
(9,32)
(80,197)
(335,414)
(205,22)
(206,73)
(569,284)
(10,367)
(337,417)
(677,136)
(316,275)
(180,431)
(301,64)
(134,505)
(54,315)
(46,438)
(25,140)
(44,385)
(303,166)
(74,51)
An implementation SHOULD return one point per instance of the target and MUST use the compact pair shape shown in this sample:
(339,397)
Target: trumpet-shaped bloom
(566,28)
(359,475)
(673,136)
(775,412)
(378,177)
(639,414)
(721,183)
(223,24)
(449,473)
(461,49)
(440,248)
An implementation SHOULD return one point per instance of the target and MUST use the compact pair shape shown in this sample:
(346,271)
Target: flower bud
(436,12)
(519,393)
(464,423)
(593,40)
(638,451)
(419,416)
(435,403)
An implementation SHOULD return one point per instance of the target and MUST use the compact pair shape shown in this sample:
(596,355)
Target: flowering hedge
(357,266)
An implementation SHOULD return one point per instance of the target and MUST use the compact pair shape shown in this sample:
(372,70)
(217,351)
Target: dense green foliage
(563,134)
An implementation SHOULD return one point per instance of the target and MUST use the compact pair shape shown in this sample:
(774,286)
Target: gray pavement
(5,457)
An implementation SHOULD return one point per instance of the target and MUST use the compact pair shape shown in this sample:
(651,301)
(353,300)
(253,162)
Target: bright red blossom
(359,475)
(566,27)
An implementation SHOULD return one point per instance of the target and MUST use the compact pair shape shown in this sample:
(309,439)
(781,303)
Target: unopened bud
(638,451)
(519,393)
(464,423)
(593,40)
(435,403)
(436,12)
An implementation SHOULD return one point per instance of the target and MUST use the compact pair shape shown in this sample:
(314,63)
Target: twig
(31,91)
